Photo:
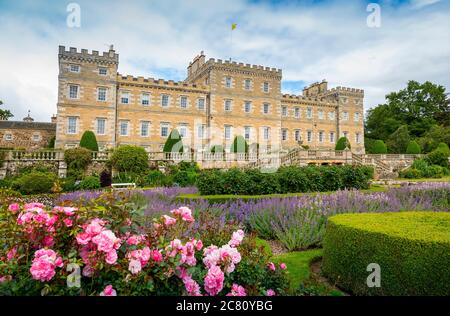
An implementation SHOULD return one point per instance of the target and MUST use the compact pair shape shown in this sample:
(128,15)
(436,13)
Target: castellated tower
(244,100)
(87,89)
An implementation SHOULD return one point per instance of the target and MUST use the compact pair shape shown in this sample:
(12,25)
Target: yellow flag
(233,26)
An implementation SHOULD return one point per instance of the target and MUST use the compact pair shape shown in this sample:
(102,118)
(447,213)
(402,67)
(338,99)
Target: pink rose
(198,245)
(14,208)
(157,256)
(214,281)
(68,222)
(88,271)
(271,266)
(237,238)
(69,211)
(135,266)
(33,205)
(283,266)
(133,240)
(169,221)
(5,278)
(11,254)
(270,292)
(237,290)
(48,241)
(83,238)
(111,257)
(108,291)
(44,264)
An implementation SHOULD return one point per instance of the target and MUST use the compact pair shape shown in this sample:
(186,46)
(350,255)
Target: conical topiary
(89,141)
(343,143)
(379,147)
(239,145)
(174,144)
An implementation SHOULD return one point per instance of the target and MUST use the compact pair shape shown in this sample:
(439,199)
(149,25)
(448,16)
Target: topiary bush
(89,141)
(239,145)
(379,147)
(90,183)
(129,158)
(35,183)
(174,144)
(413,148)
(412,249)
(438,157)
(77,160)
(343,143)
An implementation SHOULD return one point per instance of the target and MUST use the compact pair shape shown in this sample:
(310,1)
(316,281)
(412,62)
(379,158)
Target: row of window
(124,130)
(9,137)
(247,84)
(103,71)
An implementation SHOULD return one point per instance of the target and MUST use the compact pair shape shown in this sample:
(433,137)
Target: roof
(27,125)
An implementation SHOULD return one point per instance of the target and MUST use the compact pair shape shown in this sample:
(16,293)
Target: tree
(343,143)
(437,134)
(239,145)
(174,143)
(413,148)
(379,147)
(399,140)
(89,141)
(419,106)
(5,114)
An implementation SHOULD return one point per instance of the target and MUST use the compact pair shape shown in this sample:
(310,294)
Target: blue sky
(310,40)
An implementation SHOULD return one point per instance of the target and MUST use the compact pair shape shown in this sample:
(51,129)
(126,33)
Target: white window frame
(127,128)
(125,95)
(309,136)
(34,139)
(98,120)
(201,101)
(183,102)
(309,113)
(147,125)
(247,132)
(201,128)
(77,91)
(227,132)
(356,117)
(162,127)
(266,133)
(69,130)
(8,137)
(227,105)
(297,114)
(284,111)
(345,116)
(284,134)
(264,108)
(332,137)
(105,90)
(100,71)
(266,87)
(75,71)
(165,100)
(183,130)
(331,116)
(145,99)
(321,136)
(228,82)
(247,84)
(320,115)
(297,135)
(249,104)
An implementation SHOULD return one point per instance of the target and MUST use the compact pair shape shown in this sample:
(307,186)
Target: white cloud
(158,38)
(418,4)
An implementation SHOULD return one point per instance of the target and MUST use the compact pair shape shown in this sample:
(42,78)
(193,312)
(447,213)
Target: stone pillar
(62,169)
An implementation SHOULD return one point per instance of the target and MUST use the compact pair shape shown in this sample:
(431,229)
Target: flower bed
(411,248)
(112,249)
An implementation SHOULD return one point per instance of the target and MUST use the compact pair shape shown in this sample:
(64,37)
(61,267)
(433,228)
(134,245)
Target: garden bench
(123,186)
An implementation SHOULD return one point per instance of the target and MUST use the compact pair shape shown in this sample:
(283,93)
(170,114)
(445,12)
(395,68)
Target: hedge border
(414,259)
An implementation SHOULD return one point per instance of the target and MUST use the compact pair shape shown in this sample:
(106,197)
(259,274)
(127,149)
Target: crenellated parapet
(72,54)
(309,100)
(161,83)
(249,68)
(347,91)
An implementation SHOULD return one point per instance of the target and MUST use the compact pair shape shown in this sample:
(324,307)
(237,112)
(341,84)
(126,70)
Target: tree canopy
(5,114)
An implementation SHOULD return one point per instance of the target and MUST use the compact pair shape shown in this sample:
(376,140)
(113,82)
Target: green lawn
(298,264)
(443,179)
(223,198)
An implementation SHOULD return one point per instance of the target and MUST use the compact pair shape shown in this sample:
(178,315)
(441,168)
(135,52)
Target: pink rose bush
(116,254)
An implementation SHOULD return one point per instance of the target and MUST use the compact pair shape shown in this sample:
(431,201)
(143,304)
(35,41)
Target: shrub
(128,158)
(105,179)
(185,178)
(444,147)
(343,143)
(2,157)
(411,173)
(174,144)
(51,142)
(379,147)
(438,157)
(239,145)
(89,141)
(412,249)
(155,178)
(35,183)
(413,148)
(119,254)
(70,184)
(77,160)
(90,183)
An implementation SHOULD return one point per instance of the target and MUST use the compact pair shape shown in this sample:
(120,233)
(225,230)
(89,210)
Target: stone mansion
(217,101)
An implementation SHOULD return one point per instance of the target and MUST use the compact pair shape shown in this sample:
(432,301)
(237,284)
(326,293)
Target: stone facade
(26,134)
(216,102)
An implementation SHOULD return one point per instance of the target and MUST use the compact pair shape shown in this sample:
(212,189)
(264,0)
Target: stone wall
(26,135)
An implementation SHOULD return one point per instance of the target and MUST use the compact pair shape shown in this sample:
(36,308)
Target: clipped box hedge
(412,249)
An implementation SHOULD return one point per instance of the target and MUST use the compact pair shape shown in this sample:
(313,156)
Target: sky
(310,40)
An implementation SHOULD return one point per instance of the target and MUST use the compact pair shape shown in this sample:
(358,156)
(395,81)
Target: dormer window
(75,68)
